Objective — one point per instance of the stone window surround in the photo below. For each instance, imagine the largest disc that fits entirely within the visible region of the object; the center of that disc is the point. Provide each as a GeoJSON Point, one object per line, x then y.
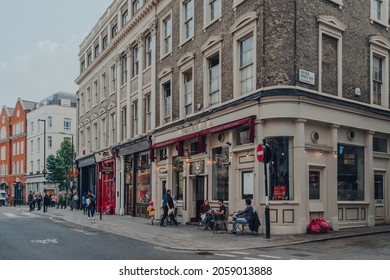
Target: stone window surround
{"type": "Point", "coordinates": [244, 27]}
{"type": "Point", "coordinates": [385, 14]}
{"type": "Point", "coordinates": [380, 47]}
{"type": "Point", "coordinates": [209, 49]}
{"type": "Point", "coordinates": [185, 64]}
{"type": "Point", "coordinates": [207, 12]}
{"type": "Point", "coordinates": [164, 76]}
{"type": "Point", "coordinates": [332, 27]}
{"type": "Point", "coordinates": [183, 38]}
{"type": "Point", "coordinates": [164, 18]}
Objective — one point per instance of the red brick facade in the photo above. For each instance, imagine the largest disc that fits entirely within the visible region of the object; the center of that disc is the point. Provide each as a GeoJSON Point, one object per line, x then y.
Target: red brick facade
{"type": "Point", "coordinates": [13, 148]}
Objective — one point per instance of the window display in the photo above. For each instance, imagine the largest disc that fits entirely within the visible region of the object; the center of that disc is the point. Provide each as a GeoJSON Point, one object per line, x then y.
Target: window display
{"type": "Point", "coordinates": [350, 169]}
{"type": "Point", "coordinates": [280, 168]}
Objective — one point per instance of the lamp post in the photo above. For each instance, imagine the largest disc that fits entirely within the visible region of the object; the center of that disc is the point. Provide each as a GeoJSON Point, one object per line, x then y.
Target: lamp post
{"type": "Point", "coordinates": [44, 150]}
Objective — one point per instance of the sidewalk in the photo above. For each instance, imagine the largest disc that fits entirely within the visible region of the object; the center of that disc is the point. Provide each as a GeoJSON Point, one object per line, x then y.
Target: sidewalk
{"type": "Point", "coordinates": [189, 237]}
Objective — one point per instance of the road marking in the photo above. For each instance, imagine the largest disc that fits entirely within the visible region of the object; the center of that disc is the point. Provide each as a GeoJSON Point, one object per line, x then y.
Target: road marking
{"type": "Point", "coordinates": [30, 214]}
{"type": "Point", "coordinates": [45, 241]}
{"type": "Point", "coordinates": [241, 253]}
{"type": "Point", "coordinates": [225, 255]}
{"type": "Point", "coordinates": [249, 258]}
{"type": "Point", "coordinates": [268, 256]}
{"type": "Point", "coordinates": [54, 220]}
{"type": "Point", "coordinates": [11, 215]}
{"type": "Point", "coordinates": [84, 231]}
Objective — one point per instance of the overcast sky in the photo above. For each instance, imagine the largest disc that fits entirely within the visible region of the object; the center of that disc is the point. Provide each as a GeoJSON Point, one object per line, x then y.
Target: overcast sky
{"type": "Point", "coordinates": [40, 43]}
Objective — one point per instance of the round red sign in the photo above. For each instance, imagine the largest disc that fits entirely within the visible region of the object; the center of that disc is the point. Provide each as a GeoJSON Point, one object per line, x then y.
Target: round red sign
{"type": "Point", "coordinates": [260, 153]}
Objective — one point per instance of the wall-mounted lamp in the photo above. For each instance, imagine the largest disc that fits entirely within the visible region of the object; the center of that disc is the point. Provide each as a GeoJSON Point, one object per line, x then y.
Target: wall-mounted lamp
{"type": "Point", "coordinates": [228, 143]}
{"type": "Point", "coordinates": [187, 154]}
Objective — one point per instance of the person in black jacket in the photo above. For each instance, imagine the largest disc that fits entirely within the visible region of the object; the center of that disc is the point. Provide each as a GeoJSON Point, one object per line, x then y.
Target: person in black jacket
{"type": "Point", "coordinates": [46, 202]}
{"type": "Point", "coordinates": [243, 216]}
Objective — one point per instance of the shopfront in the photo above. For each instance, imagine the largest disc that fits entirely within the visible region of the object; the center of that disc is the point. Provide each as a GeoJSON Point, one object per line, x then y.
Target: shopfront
{"type": "Point", "coordinates": [201, 165]}
{"type": "Point", "coordinates": [87, 175]}
{"type": "Point", "coordinates": [106, 182]}
{"type": "Point", "coordinates": [135, 192]}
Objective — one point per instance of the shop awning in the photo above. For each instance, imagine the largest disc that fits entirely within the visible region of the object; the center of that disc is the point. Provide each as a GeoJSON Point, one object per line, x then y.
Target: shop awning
{"type": "Point", "coordinates": [200, 135]}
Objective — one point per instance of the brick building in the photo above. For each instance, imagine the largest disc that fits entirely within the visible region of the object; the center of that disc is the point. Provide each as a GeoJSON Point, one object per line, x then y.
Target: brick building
{"type": "Point", "coordinates": [13, 150]}
{"type": "Point", "coordinates": [180, 94]}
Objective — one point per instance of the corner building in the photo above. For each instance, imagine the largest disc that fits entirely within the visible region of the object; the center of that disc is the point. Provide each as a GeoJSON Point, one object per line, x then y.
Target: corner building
{"type": "Point", "coordinates": [217, 78]}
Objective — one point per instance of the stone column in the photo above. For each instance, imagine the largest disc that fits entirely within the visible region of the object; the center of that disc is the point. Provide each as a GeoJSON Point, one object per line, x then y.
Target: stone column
{"type": "Point", "coordinates": [331, 193]}
{"type": "Point", "coordinates": [128, 92]}
{"type": "Point", "coordinates": [141, 51]}
{"type": "Point", "coordinates": [300, 187]}
{"type": "Point", "coordinates": [153, 95]}
{"type": "Point", "coordinates": [369, 178]}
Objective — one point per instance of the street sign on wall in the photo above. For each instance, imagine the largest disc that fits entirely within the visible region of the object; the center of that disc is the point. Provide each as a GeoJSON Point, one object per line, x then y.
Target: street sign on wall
{"type": "Point", "coordinates": [260, 153]}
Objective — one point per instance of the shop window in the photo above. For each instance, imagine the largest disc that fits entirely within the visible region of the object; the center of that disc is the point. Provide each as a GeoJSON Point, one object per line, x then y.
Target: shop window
{"type": "Point", "coordinates": [163, 154]}
{"type": "Point", "coordinates": [143, 188]}
{"type": "Point", "coordinates": [220, 171]}
{"type": "Point", "coordinates": [247, 184]}
{"type": "Point", "coordinates": [143, 159]}
{"type": "Point", "coordinates": [243, 135]}
{"type": "Point", "coordinates": [350, 177]}
{"type": "Point", "coordinates": [314, 184]}
{"type": "Point", "coordinates": [194, 148]}
{"type": "Point", "coordinates": [378, 186]}
{"type": "Point", "coordinates": [280, 168]}
{"type": "Point", "coordinates": [380, 145]}
{"type": "Point", "coordinates": [177, 177]}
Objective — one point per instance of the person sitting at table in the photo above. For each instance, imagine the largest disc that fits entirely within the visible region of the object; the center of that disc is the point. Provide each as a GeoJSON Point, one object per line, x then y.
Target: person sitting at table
{"type": "Point", "coordinates": [220, 215]}
{"type": "Point", "coordinates": [243, 216]}
{"type": "Point", "coordinates": [204, 209]}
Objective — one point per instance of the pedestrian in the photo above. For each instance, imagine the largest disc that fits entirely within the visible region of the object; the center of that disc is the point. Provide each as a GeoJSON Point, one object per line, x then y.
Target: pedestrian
{"type": "Point", "coordinates": [71, 201]}
{"type": "Point", "coordinates": [84, 202]}
{"type": "Point", "coordinates": [53, 200]}
{"type": "Point", "coordinates": [30, 200]}
{"type": "Point", "coordinates": [46, 202]}
{"type": "Point", "coordinates": [91, 203]}
{"type": "Point", "coordinates": [75, 201]}
{"type": "Point", "coordinates": [39, 201]}
{"type": "Point", "coordinates": [168, 208]}
{"type": "Point", "coordinates": [151, 212]}
{"type": "Point", "coordinates": [59, 201]}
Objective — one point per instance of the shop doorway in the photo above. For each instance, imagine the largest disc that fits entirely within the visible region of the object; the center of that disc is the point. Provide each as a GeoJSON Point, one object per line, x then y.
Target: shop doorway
{"type": "Point", "coordinates": [198, 187]}
{"type": "Point", "coordinates": [379, 190]}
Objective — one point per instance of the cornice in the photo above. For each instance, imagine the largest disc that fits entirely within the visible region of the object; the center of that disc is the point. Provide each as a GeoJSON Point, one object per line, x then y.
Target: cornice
{"type": "Point", "coordinates": [129, 26]}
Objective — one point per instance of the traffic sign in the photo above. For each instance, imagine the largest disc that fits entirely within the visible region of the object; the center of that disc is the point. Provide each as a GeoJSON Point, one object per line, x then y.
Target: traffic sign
{"type": "Point", "coordinates": [260, 153]}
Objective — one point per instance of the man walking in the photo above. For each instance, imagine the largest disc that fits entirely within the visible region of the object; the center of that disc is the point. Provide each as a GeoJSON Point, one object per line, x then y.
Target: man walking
{"type": "Point", "coordinates": [31, 201]}
{"type": "Point", "coordinates": [168, 208]}
{"type": "Point", "coordinates": [46, 202]}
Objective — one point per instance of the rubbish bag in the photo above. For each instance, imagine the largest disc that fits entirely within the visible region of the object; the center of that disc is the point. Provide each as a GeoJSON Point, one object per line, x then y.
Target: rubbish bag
{"type": "Point", "coordinates": [318, 226]}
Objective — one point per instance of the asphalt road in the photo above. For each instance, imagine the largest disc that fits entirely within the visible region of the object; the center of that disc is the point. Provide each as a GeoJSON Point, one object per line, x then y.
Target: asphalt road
{"type": "Point", "coordinates": [26, 236]}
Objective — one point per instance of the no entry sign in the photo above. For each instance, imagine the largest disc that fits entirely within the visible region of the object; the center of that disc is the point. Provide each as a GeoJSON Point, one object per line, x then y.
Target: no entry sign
{"type": "Point", "coordinates": [260, 153]}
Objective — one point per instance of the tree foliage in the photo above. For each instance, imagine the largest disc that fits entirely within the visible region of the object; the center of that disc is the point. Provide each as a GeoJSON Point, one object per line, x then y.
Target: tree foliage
{"type": "Point", "coordinates": [59, 165]}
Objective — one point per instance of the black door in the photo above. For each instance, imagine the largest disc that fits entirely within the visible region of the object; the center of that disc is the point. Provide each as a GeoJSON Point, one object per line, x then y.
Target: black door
{"type": "Point", "coordinates": [199, 194]}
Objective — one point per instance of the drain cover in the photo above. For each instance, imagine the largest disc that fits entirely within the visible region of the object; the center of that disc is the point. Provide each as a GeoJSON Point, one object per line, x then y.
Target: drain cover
{"type": "Point", "coordinates": [205, 253]}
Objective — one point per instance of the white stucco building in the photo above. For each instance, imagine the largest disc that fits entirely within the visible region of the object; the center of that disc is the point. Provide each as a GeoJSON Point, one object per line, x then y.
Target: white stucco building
{"type": "Point", "coordinates": [58, 114]}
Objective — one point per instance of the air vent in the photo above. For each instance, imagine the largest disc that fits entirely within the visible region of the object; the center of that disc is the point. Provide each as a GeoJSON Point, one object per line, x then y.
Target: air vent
{"type": "Point", "coordinates": [315, 136]}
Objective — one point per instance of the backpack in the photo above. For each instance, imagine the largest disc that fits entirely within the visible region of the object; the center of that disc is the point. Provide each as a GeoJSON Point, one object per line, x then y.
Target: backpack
{"type": "Point", "coordinates": [254, 224]}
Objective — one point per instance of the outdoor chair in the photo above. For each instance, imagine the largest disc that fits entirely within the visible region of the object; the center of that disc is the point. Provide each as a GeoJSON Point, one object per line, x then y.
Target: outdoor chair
{"type": "Point", "coordinates": [218, 224]}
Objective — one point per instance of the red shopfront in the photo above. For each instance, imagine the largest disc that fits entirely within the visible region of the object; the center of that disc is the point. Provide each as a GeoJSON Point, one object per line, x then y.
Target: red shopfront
{"type": "Point", "coordinates": [106, 197]}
